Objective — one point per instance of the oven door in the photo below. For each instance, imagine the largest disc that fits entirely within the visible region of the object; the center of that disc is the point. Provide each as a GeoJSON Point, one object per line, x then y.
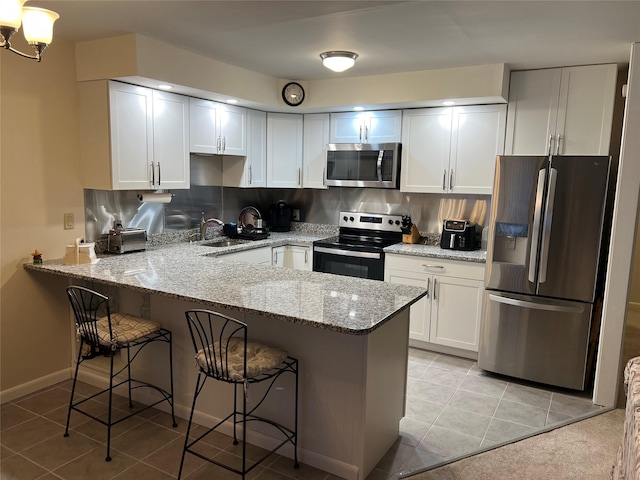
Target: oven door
{"type": "Point", "coordinates": [340, 261]}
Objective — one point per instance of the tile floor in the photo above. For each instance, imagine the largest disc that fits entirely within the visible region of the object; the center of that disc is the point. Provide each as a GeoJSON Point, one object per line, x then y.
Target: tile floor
{"type": "Point", "coordinates": [453, 409]}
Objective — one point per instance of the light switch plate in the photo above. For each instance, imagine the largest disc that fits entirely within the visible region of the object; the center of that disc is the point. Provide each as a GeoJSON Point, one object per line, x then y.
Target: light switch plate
{"type": "Point", "coordinates": [68, 221]}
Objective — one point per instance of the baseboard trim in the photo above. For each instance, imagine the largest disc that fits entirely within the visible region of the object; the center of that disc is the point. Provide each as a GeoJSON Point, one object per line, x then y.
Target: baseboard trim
{"type": "Point", "coordinates": [35, 385]}
{"type": "Point", "coordinates": [321, 462]}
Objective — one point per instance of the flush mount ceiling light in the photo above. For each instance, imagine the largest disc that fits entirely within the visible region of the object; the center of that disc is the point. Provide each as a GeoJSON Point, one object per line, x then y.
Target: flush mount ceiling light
{"type": "Point", "coordinates": [37, 23]}
{"type": "Point", "coordinates": [338, 60]}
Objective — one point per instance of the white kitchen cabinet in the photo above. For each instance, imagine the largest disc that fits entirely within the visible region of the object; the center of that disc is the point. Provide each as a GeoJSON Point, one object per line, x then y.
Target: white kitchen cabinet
{"type": "Point", "coordinates": [249, 171]}
{"type": "Point", "coordinates": [133, 138]}
{"type": "Point", "coordinates": [217, 128]}
{"type": "Point", "coordinates": [451, 149]}
{"type": "Point", "coordinates": [259, 256]}
{"type": "Point", "coordinates": [449, 315]}
{"type": "Point", "coordinates": [284, 150]}
{"type": "Point", "coordinates": [297, 257]}
{"type": "Point", "coordinates": [382, 126]}
{"type": "Point", "coordinates": [561, 111]}
{"type": "Point", "coordinates": [314, 154]}
{"type": "Point", "coordinates": [301, 257]}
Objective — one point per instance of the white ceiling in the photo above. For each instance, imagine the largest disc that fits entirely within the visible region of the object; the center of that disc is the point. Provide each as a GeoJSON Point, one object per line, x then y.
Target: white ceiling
{"type": "Point", "coordinates": [284, 38]}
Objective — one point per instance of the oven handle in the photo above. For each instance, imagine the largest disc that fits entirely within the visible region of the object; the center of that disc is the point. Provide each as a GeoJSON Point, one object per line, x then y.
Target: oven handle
{"type": "Point", "coordinates": [346, 253]}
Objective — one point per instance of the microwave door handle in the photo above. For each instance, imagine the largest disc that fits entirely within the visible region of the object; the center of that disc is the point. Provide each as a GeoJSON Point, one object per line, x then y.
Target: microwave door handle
{"type": "Point", "coordinates": [535, 235]}
{"type": "Point", "coordinates": [548, 220]}
{"type": "Point", "coordinates": [379, 164]}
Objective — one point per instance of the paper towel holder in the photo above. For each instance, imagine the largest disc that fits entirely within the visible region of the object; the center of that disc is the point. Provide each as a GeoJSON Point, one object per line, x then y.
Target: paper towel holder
{"type": "Point", "coordinates": [153, 197]}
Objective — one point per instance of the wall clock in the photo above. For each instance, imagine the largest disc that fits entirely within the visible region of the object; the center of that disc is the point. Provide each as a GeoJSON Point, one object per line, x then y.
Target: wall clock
{"type": "Point", "coordinates": [293, 94]}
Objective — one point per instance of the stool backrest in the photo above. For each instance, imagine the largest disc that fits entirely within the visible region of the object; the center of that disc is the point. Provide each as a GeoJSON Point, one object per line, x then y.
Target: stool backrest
{"type": "Point", "coordinates": [220, 344]}
{"type": "Point", "coordinates": [88, 307]}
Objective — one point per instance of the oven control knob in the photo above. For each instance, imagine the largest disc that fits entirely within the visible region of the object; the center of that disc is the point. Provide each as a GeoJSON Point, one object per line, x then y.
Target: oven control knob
{"type": "Point", "coordinates": [351, 218]}
{"type": "Point", "coordinates": [390, 222]}
{"type": "Point", "coordinates": [345, 218]}
{"type": "Point", "coordinates": [397, 222]}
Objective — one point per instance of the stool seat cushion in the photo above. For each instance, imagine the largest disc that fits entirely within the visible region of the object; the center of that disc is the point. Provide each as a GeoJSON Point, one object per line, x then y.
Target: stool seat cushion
{"type": "Point", "coordinates": [126, 328]}
{"type": "Point", "coordinates": [227, 361]}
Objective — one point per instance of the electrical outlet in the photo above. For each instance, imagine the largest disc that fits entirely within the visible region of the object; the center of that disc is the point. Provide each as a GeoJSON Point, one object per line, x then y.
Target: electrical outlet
{"type": "Point", "coordinates": [296, 214]}
{"type": "Point", "coordinates": [68, 221]}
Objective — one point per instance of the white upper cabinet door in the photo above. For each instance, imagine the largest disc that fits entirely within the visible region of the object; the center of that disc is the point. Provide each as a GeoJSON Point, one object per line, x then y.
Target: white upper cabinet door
{"type": "Point", "coordinates": [257, 148]}
{"type": "Point", "coordinates": [314, 155]}
{"type": "Point", "coordinates": [232, 128]}
{"type": "Point", "coordinates": [203, 136]}
{"type": "Point", "coordinates": [131, 125]}
{"type": "Point", "coordinates": [532, 111]}
{"type": "Point", "coordinates": [561, 111]}
{"type": "Point", "coordinates": [585, 110]}
{"type": "Point", "coordinates": [284, 150]}
{"type": "Point", "coordinates": [425, 150]}
{"type": "Point", "coordinates": [383, 126]}
{"type": "Point", "coordinates": [170, 140]}
{"type": "Point", "coordinates": [477, 136]}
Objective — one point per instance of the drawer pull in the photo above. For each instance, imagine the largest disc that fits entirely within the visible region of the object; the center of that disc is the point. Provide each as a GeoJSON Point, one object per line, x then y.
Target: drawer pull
{"type": "Point", "coordinates": [427, 265]}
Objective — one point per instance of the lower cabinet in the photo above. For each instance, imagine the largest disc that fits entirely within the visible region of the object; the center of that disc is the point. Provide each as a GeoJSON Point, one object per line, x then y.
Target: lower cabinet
{"type": "Point", "coordinates": [450, 313]}
{"type": "Point", "coordinates": [259, 256]}
{"type": "Point", "coordinates": [292, 256]}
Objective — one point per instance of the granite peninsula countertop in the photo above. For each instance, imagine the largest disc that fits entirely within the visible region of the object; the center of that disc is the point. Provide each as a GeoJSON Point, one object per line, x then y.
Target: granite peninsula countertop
{"type": "Point", "coordinates": [200, 274]}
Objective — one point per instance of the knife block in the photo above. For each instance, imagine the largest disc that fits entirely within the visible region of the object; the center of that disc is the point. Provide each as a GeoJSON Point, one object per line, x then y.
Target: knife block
{"type": "Point", "coordinates": [413, 237]}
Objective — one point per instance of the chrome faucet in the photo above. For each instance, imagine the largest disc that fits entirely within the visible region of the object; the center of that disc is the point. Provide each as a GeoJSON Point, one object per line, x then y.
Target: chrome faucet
{"type": "Point", "coordinates": [204, 223]}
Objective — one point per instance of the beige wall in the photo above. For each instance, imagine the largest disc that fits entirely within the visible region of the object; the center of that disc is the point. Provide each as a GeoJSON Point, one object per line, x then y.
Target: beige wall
{"type": "Point", "coordinates": [40, 181]}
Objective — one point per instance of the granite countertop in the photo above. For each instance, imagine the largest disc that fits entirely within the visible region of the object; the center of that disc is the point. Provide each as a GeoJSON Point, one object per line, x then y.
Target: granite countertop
{"type": "Point", "coordinates": [433, 251]}
{"type": "Point", "coordinates": [192, 272]}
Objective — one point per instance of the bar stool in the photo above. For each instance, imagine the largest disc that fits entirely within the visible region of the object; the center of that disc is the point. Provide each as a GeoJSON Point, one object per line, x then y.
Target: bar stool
{"type": "Point", "coordinates": [104, 333]}
{"type": "Point", "coordinates": [223, 353]}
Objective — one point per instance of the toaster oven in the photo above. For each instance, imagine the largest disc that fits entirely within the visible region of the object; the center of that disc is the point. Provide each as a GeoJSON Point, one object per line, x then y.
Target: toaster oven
{"type": "Point", "coordinates": [459, 235]}
{"type": "Point", "coordinates": [123, 240]}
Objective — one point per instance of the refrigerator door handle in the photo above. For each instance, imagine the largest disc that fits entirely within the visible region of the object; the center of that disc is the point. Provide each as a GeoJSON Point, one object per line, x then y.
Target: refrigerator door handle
{"type": "Point", "coordinates": [535, 237]}
{"type": "Point", "coordinates": [535, 306]}
{"type": "Point", "coordinates": [548, 219]}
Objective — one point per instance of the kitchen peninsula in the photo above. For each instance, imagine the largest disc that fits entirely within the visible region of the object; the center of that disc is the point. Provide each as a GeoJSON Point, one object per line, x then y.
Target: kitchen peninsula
{"type": "Point", "coordinates": [350, 336]}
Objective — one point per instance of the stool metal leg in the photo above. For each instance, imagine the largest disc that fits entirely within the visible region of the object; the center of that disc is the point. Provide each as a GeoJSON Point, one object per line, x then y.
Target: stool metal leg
{"type": "Point", "coordinates": [173, 415]}
{"type": "Point", "coordinates": [108, 459]}
{"type": "Point", "coordinates": [129, 375]}
{"type": "Point", "coordinates": [193, 409]}
{"type": "Point", "coordinates": [295, 422]}
{"type": "Point", "coordinates": [73, 387]}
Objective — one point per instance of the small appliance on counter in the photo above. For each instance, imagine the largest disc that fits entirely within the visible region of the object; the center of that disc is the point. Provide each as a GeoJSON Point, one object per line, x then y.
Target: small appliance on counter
{"type": "Point", "coordinates": [410, 233]}
{"type": "Point", "coordinates": [79, 252]}
{"type": "Point", "coordinates": [123, 240]}
{"type": "Point", "coordinates": [459, 235]}
{"type": "Point", "coordinates": [281, 216]}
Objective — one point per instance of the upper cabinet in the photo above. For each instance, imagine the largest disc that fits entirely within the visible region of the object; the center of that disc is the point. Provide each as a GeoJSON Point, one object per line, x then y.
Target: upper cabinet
{"type": "Point", "coordinates": [249, 171]}
{"type": "Point", "coordinates": [561, 111]}
{"type": "Point", "coordinates": [284, 150]}
{"type": "Point", "coordinates": [217, 128]}
{"type": "Point", "coordinates": [451, 149]}
{"type": "Point", "coordinates": [133, 138]}
{"type": "Point", "coordinates": [314, 155]}
{"type": "Point", "coordinates": [382, 126]}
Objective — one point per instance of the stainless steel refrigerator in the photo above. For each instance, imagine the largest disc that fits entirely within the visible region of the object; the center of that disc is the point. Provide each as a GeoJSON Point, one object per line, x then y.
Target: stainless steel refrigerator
{"type": "Point", "coordinates": [543, 258]}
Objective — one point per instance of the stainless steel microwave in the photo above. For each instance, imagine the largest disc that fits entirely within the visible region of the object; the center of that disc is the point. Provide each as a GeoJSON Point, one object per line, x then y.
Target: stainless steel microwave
{"type": "Point", "coordinates": [363, 165]}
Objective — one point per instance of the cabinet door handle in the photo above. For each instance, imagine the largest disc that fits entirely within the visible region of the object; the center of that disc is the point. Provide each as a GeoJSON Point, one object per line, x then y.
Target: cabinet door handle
{"type": "Point", "coordinates": [275, 256]}
{"type": "Point", "coordinates": [444, 179]}
{"type": "Point", "coordinates": [360, 134]}
{"type": "Point", "coordinates": [559, 145]}
{"type": "Point", "coordinates": [324, 176]}
{"type": "Point", "coordinates": [428, 287]}
{"type": "Point", "coordinates": [550, 149]}
{"type": "Point", "coordinates": [218, 144]}
{"type": "Point", "coordinates": [451, 180]}
{"type": "Point", "coordinates": [299, 177]}
{"type": "Point", "coordinates": [366, 134]}
{"type": "Point", "coordinates": [430, 265]}
{"type": "Point", "coordinates": [153, 174]}
{"type": "Point", "coordinates": [250, 175]}
{"type": "Point", "coordinates": [306, 256]}
{"type": "Point", "coordinates": [159, 173]}
{"type": "Point", "coordinates": [224, 144]}
{"type": "Point", "coordinates": [435, 286]}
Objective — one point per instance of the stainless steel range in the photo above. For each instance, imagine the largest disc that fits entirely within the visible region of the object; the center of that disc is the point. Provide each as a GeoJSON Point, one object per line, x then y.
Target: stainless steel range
{"type": "Point", "coordinates": [358, 249]}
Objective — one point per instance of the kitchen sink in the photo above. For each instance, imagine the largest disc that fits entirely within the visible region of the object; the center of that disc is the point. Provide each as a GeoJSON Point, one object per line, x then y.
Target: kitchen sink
{"type": "Point", "coordinates": [228, 242]}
